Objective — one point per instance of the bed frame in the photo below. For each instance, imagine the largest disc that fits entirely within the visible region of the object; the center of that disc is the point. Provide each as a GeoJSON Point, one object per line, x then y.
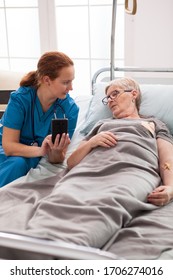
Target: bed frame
{"type": "Point", "coordinates": [122, 71]}
{"type": "Point", "coordinates": [47, 249]}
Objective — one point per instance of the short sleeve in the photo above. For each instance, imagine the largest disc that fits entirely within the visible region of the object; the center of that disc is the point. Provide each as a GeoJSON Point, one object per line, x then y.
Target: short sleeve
{"type": "Point", "coordinates": [14, 114]}
{"type": "Point", "coordinates": [162, 131]}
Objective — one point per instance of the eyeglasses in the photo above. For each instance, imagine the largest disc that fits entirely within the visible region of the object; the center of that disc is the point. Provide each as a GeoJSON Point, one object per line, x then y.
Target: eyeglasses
{"type": "Point", "coordinates": [114, 95]}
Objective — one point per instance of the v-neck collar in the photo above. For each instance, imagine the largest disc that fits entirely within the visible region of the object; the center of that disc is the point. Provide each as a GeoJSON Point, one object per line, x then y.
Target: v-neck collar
{"type": "Point", "coordinates": [43, 115]}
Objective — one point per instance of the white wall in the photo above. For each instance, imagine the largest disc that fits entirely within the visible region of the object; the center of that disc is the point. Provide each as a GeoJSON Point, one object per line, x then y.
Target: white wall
{"type": "Point", "coordinates": [149, 34]}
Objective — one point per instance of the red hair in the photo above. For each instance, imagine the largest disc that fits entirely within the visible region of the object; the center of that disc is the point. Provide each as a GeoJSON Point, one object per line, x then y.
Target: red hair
{"type": "Point", "coordinates": [50, 64]}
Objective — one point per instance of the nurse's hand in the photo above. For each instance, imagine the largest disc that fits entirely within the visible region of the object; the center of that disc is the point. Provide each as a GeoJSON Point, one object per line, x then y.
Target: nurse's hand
{"type": "Point", "coordinates": [56, 152]}
{"type": "Point", "coordinates": [60, 145]}
{"type": "Point", "coordinates": [46, 145]}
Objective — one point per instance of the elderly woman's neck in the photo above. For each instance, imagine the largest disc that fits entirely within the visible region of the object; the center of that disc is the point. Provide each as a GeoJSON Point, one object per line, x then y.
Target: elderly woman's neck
{"type": "Point", "coordinates": [129, 114]}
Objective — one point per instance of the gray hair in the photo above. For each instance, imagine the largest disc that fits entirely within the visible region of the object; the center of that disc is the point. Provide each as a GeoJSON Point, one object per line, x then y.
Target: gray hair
{"type": "Point", "coordinates": [127, 83]}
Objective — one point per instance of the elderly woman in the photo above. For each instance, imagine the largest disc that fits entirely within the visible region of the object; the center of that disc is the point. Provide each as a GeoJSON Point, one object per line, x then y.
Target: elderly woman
{"type": "Point", "coordinates": [123, 97]}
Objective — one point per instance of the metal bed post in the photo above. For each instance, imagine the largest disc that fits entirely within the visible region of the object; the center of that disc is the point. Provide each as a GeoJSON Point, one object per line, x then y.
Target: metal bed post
{"type": "Point", "coordinates": [114, 11]}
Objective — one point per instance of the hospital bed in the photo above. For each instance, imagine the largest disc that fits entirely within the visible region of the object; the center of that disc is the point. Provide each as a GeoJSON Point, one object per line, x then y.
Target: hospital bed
{"type": "Point", "coordinates": [149, 236]}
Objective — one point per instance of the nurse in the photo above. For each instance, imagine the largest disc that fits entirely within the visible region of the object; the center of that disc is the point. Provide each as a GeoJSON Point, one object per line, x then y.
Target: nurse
{"type": "Point", "coordinates": [25, 128]}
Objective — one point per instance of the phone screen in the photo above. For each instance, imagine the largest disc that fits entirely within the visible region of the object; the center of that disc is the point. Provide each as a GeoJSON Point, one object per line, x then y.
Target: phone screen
{"type": "Point", "coordinates": [59, 126]}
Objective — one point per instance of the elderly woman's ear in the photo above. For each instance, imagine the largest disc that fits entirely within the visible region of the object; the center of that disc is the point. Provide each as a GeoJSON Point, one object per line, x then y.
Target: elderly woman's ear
{"type": "Point", "coordinates": [135, 94]}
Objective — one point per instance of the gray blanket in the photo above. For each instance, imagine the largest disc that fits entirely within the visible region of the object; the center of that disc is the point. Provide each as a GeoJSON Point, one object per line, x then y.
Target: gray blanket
{"type": "Point", "coordinates": [99, 201]}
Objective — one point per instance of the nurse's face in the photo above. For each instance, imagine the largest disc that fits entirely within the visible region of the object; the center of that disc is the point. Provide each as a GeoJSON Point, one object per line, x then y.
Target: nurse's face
{"type": "Point", "coordinates": [63, 84]}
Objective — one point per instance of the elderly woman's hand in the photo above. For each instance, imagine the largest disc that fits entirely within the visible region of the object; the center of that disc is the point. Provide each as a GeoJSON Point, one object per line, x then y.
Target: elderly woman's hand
{"type": "Point", "coordinates": [161, 195]}
{"type": "Point", "coordinates": [104, 139]}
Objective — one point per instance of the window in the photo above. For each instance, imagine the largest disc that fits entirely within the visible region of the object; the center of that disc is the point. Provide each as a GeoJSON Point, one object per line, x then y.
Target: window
{"type": "Point", "coordinates": [19, 34]}
{"type": "Point", "coordinates": [80, 28]}
{"type": "Point", "coordinates": [84, 33]}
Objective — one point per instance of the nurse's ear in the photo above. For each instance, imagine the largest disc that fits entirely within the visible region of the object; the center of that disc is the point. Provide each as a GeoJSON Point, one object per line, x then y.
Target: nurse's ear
{"type": "Point", "coordinates": [46, 80]}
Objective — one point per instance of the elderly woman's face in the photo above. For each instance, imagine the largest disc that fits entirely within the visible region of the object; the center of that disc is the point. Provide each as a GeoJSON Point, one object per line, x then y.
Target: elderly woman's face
{"type": "Point", "coordinates": [120, 100]}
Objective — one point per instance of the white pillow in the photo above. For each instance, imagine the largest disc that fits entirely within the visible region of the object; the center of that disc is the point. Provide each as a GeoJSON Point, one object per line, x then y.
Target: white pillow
{"type": "Point", "coordinates": [157, 101]}
{"type": "Point", "coordinates": [96, 110]}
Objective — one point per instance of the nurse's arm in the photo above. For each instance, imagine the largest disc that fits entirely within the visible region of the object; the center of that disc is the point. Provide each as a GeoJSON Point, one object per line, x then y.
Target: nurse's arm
{"type": "Point", "coordinates": [12, 146]}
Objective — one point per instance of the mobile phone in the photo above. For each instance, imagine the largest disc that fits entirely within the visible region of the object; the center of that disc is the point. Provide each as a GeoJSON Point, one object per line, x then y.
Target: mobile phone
{"type": "Point", "coordinates": [59, 126]}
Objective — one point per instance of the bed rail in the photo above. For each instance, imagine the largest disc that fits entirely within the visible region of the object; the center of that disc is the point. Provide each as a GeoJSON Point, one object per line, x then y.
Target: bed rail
{"type": "Point", "coordinates": [130, 69]}
{"type": "Point", "coordinates": [55, 249]}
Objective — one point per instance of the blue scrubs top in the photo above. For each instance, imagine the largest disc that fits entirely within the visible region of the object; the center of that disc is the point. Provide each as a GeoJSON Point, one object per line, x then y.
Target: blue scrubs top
{"type": "Point", "coordinates": [24, 113]}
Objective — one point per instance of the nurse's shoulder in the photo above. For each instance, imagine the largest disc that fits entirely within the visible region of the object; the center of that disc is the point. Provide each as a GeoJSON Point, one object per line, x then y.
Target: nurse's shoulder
{"type": "Point", "coordinates": [23, 94]}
